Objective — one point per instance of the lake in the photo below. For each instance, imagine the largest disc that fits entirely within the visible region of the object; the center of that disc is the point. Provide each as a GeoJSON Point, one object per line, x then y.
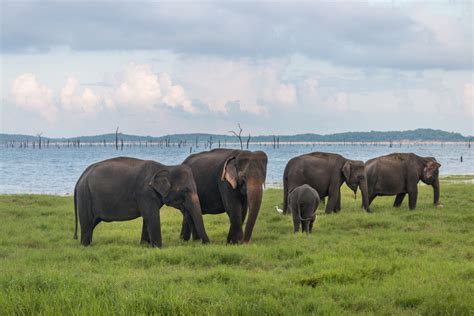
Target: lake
{"type": "Point", "coordinates": [55, 170]}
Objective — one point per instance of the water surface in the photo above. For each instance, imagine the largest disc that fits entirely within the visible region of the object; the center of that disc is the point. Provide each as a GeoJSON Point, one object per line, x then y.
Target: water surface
{"type": "Point", "coordinates": [55, 170]}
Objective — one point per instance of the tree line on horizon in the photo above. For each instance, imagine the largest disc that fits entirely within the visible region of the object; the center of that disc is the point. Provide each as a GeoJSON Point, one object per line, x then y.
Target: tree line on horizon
{"type": "Point", "coordinates": [372, 136]}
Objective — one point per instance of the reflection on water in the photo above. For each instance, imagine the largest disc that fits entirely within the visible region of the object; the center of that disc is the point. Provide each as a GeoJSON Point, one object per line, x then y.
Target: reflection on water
{"type": "Point", "coordinates": [56, 170]}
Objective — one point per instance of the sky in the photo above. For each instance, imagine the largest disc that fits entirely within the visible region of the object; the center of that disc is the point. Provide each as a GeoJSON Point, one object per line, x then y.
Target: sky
{"type": "Point", "coordinates": [71, 68]}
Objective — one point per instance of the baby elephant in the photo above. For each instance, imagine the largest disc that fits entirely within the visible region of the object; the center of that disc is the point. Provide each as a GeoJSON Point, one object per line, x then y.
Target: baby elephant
{"type": "Point", "coordinates": [303, 202]}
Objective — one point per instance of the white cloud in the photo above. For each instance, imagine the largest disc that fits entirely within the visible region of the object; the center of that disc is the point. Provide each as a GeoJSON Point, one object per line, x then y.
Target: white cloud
{"type": "Point", "coordinates": [88, 103]}
{"type": "Point", "coordinates": [338, 102]}
{"type": "Point", "coordinates": [137, 86]}
{"type": "Point", "coordinates": [469, 99]}
{"type": "Point", "coordinates": [257, 87]}
{"type": "Point", "coordinates": [29, 94]}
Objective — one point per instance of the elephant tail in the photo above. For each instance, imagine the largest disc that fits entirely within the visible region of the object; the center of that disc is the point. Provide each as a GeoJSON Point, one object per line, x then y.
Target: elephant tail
{"type": "Point", "coordinates": [285, 193]}
{"type": "Point", "coordinates": [75, 212]}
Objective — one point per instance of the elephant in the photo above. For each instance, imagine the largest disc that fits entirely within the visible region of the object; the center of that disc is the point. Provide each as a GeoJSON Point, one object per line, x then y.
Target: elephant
{"type": "Point", "coordinates": [325, 172]}
{"type": "Point", "coordinates": [303, 201]}
{"type": "Point", "coordinates": [231, 181]}
{"type": "Point", "coordinates": [123, 188]}
{"type": "Point", "coordinates": [399, 174]}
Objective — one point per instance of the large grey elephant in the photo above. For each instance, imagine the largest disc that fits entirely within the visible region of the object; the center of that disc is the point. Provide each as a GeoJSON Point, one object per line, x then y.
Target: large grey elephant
{"type": "Point", "coordinates": [303, 201]}
{"type": "Point", "coordinates": [231, 181]}
{"type": "Point", "coordinates": [399, 174]}
{"type": "Point", "coordinates": [123, 188]}
{"type": "Point", "coordinates": [325, 172]}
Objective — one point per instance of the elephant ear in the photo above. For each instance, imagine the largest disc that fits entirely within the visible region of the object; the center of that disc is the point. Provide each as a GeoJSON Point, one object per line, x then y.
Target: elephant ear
{"type": "Point", "coordinates": [433, 164]}
{"type": "Point", "coordinates": [346, 170]}
{"type": "Point", "coordinates": [229, 172]}
{"type": "Point", "coordinates": [160, 182]}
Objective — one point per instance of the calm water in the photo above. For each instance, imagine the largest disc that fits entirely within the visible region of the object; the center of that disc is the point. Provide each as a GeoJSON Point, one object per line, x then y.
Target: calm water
{"type": "Point", "coordinates": [55, 170]}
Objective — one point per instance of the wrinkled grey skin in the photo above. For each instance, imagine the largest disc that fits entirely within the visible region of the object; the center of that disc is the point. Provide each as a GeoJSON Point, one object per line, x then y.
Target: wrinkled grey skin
{"type": "Point", "coordinates": [122, 189]}
{"type": "Point", "coordinates": [325, 172]}
{"type": "Point", "coordinates": [303, 202]}
{"type": "Point", "coordinates": [398, 174]}
{"type": "Point", "coordinates": [231, 181]}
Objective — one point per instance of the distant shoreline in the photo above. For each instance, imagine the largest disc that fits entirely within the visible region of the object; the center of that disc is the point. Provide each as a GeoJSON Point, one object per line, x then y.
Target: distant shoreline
{"type": "Point", "coordinates": [265, 143]}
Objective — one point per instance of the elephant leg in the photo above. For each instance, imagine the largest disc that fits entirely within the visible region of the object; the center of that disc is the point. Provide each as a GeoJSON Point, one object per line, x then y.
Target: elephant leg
{"type": "Point", "coordinates": [296, 223]}
{"type": "Point", "coordinates": [87, 228]}
{"type": "Point", "coordinates": [229, 235]}
{"type": "Point", "coordinates": [145, 237]}
{"type": "Point", "coordinates": [236, 232]}
{"type": "Point", "coordinates": [332, 201]}
{"type": "Point", "coordinates": [311, 226]}
{"type": "Point", "coordinates": [412, 197]}
{"type": "Point", "coordinates": [185, 229]}
{"type": "Point", "coordinates": [372, 197]}
{"type": "Point", "coordinates": [244, 212]}
{"type": "Point", "coordinates": [193, 229]}
{"type": "Point", "coordinates": [305, 226]}
{"type": "Point", "coordinates": [399, 199]}
{"type": "Point", "coordinates": [152, 218]}
{"type": "Point", "coordinates": [338, 203]}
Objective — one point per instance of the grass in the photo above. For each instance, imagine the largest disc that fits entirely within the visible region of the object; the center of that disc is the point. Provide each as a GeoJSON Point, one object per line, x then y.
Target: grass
{"type": "Point", "coordinates": [394, 261]}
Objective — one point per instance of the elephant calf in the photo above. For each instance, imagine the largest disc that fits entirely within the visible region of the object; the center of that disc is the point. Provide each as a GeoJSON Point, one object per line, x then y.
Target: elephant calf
{"type": "Point", "coordinates": [122, 189]}
{"type": "Point", "coordinates": [303, 201]}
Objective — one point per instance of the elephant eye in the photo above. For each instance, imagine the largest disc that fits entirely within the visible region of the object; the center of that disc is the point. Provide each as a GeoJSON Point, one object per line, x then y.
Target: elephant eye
{"type": "Point", "coordinates": [360, 177]}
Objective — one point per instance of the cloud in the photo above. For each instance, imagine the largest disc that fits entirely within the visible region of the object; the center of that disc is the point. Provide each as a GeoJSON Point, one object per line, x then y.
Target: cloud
{"type": "Point", "coordinates": [357, 34]}
{"type": "Point", "coordinates": [250, 86]}
{"type": "Point", "coordinates": [137, 86]}
{"type": "Point", "coordinates": [88, 103]}
{"type": "Point", "coordinates": [469, 99]}
{"type": "Point", "coordinates": [338, 102]}
{"type": "Point", "coordinates": [29, 94]}
{"type": "Point", "coordinates": [134, 88]}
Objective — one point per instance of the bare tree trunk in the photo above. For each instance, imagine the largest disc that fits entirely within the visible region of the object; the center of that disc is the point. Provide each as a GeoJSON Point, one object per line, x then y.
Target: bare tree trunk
{"type": "Point", "coordinates": [116, 138]}
{"type": "Point", "coordinates": [239, 136]}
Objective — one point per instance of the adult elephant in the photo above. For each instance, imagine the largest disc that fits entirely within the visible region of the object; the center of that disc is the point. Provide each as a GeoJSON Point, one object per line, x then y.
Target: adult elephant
{"type": "Point", "coordinates": [230, 181]}
{"type": "Point", "coordinates": [325, 172]}
{"type": "Point", "coordinates": [123, 188]}
{"type": "Point", "coordinates": [399, 174]}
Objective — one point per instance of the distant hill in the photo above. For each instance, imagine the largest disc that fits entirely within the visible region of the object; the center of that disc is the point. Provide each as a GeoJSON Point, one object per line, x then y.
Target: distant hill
{"type": "Point", "coordinates": [372, 136]}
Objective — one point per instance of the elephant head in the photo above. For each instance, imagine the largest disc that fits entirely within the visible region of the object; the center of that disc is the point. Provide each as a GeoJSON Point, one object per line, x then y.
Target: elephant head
{"type": "Point", "coordinates": [430, 175]}
{"type": "Point", "coordinates": [177, 188]}
{"type": "Point", "coordinates": [355, 177]}
{"type": "Point", "coordinates": [246, 172]}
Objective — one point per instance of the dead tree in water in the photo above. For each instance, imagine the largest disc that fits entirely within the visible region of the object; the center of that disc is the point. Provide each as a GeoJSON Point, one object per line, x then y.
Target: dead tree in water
{"type": "Point", "coordinates": [210, 142]}
{"type": "Point", "coordinates": [239, 136]}
{"type": "Point", "coordinates": [39, 140]}
{"type": "Point", "coordinates": [116, 138]}
{"type": "Point", "coordinates": [248, 141]}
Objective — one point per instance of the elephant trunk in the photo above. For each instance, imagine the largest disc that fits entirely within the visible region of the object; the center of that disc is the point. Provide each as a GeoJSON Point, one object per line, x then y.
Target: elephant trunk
{"type": "Point", "coordinates": [254, 200]}
{"type": "Point", "coordinates": [365, 195]}
{"type": "Point", "coordinates": [194, 209]}
{"type": "Point", "coordinates": [436, 191]}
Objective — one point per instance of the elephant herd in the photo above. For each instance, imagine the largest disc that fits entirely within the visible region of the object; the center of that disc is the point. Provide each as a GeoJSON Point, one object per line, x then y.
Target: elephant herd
{"type": "Point", "coordinates": [232, 181]}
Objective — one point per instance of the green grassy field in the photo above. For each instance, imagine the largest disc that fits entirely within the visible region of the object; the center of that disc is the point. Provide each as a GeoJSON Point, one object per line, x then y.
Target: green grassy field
{"type": "Point", "coordinates": [393, 261]}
